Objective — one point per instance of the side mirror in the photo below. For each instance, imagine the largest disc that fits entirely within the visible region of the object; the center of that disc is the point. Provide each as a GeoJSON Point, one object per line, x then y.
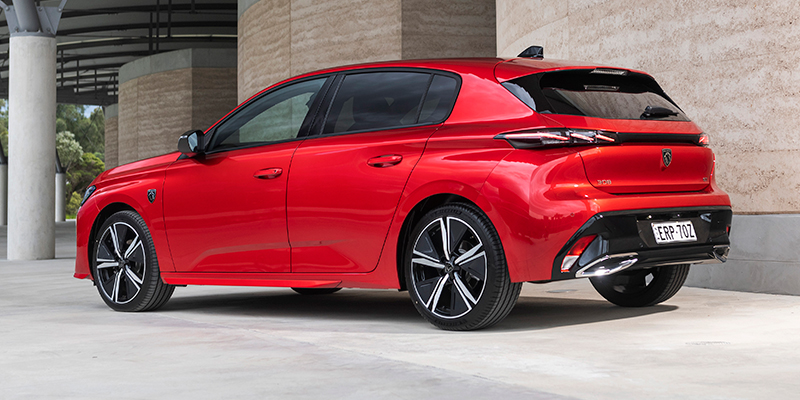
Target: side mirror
{"type": "Point", "coordinates": [191, 143]}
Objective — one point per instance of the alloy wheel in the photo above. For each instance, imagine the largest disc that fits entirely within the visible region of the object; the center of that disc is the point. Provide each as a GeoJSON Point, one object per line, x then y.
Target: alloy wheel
{"type": "Point", "coordinates": [449, 267]}
{"type": "Point", "coordinates": [120, 263]}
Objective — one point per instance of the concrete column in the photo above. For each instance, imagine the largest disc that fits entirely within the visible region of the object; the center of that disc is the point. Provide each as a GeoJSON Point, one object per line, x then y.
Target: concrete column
{"type": "Point", "coordinates": [61, 193]}
{"type": "Point", "coordinates": [32, 147]}
{"type": "Point", "coordinates": [3, 194]}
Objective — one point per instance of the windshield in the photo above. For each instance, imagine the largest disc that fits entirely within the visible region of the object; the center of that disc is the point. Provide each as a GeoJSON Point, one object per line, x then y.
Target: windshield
{"type": "Point", "coordinates": [600, 93]}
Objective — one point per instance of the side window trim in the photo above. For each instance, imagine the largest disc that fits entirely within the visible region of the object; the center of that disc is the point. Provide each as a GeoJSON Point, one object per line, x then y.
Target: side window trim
{"type": "Point", "coordinates": [424, 96]}
{"type": "Point", "coordinates": [319, 123]}
{"type": "Point", "coordinates": [304, 127]}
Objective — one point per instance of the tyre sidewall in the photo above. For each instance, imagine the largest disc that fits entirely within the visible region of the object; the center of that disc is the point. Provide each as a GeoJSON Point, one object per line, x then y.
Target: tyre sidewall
{"type": "Point", "coordinates": [495, 271]}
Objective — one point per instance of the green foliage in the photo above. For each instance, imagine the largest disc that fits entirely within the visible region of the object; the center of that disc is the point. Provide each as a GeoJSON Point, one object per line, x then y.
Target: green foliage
{"type": "Point", "coordinates": [79, 176]}
{"type": "Point", "coordinates": [89, 132]}
{"type": "Point", "coordinates": [73, 204]}
{"type": "Point", "coordinates": [69, 150]}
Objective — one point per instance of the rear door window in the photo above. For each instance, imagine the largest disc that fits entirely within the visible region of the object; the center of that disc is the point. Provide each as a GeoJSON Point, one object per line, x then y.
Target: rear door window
{"type": "Point", "coordinates": [371, 101]}
{"type": "Point", "coordinates": [600, 93]}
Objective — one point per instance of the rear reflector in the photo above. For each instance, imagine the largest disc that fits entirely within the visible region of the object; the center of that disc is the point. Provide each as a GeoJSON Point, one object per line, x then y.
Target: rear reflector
{"type": "Point", "coordinates": [575, 252]}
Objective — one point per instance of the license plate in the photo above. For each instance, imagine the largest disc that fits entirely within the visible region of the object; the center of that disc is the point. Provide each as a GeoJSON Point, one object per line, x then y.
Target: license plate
{"type": "Point", "coordinates": [674, 232]}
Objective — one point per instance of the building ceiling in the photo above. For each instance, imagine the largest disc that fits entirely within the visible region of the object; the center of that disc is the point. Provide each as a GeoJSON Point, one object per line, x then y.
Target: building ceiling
{"type": "Point", "coordinates": [96, 37]}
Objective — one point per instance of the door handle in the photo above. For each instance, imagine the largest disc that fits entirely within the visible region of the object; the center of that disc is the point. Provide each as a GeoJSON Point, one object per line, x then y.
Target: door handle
{"type": "Point", "coordinates": [268, 173]}
{"type": "Point", "coordinates": [385, 161]}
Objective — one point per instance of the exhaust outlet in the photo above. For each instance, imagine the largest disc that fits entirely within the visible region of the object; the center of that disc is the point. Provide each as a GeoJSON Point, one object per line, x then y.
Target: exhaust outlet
{"type": "Point", "coordinates": [607, 265]}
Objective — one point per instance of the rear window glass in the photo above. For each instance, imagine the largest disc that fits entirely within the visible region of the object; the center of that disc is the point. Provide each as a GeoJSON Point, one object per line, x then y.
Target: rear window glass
{"type": "Point", "coordinates": [596, 93]}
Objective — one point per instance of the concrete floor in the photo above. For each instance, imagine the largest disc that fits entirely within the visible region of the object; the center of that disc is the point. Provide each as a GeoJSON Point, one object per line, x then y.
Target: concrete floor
{"type": "Point", "coordinates": [59, 340]}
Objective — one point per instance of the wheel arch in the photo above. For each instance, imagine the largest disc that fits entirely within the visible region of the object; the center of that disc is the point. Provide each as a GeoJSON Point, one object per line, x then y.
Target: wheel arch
{"type": "Point", "coordinates": [104, 214]}
{"type": "Point", "coordinates": [415, 215]}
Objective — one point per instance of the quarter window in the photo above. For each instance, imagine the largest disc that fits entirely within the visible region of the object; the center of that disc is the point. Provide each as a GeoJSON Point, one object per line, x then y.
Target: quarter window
{"type": "Point", "coordinates": [274, 117]}
{"type": "Point", "coordinates": [439, 100]}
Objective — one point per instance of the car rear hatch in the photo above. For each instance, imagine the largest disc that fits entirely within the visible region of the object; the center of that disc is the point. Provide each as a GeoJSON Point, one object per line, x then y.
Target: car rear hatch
{"type": "Point", "coordinates": [631, 136]}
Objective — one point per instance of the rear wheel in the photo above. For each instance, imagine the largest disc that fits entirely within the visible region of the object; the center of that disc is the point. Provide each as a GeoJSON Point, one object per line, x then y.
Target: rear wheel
{"type": "Point", "coordinates": [456, 270]}
{"type": "Point", "coordinates": [315, 291]}
{"type": "Point", "coordinates": [641, 288]}
{"type": "Point", "coordinates": [125, 267]}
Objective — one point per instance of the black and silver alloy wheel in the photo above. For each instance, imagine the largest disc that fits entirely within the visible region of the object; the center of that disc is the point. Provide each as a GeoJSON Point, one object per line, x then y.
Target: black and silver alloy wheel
{"type": "Point", "coordinates": [120, 262]}
{"type": "Point", "coordinates": [642, 287]}
{"type": "Point", "coordinates": [456, 271]}
{"type": "Point", "coordinates": [125, 267]}
{"type": "Point", "coordinates": [448, 268]}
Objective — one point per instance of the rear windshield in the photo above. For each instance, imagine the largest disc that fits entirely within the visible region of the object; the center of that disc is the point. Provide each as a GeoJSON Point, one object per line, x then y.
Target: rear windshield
{"type": "Point", "coordinates": [600, 93]}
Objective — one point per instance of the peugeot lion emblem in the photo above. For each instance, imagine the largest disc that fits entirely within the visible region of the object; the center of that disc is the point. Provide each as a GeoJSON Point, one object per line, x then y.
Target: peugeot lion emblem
{"type": "Point", "coordinates": [666, 155]}
{"type": "Point", "coordinates": [151, 195]}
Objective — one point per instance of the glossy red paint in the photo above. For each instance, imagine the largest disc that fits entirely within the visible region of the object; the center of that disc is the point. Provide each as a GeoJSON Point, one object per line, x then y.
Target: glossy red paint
{"type": "Point", "coordinates": [339, 207]}
{"type": "Point", "coordinates": [222, 216]}
{"type": "Point", "coordinates": [332, 219]}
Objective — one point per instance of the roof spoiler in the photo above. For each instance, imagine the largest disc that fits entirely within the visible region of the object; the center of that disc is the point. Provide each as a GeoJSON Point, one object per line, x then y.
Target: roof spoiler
{"type": "Point", "coordinates": [533, 52]}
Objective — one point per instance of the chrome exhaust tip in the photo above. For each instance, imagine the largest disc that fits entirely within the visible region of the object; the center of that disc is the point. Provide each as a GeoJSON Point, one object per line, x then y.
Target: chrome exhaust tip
{"type": "Point", "coordinates": [607, 265]}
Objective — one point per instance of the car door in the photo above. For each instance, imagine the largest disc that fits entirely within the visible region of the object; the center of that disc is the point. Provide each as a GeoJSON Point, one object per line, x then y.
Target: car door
{"type": "Point", "coordinates": [225, 210]}
{"type": "Point", "coordinates": [345, 184]}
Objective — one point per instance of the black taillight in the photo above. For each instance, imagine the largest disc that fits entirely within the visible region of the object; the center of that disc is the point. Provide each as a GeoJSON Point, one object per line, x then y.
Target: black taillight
{"type": "Point", "coordinates": [557, 137]}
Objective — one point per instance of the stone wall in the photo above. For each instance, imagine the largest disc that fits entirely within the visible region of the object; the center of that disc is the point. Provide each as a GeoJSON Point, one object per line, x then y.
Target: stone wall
{"type": "Point", "coordinates": [111, 135]}
{"type": "Point", "coordinates": [282, 38]}
{"type": "Point", "coordinates": [163, 96]}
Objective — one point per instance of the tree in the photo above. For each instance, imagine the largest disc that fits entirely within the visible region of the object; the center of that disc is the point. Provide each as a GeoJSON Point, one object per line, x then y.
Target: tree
{"type": "Point", "coordinates": [69, 150]}
{"type": "Point", "coordinates": [89, 132]}
{"type": "Point", "coordinates": [79, 176]}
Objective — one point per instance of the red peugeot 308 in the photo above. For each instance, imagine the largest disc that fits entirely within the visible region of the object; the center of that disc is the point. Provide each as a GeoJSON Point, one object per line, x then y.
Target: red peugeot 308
{"type": "Point", "coordinates": [457, 180]}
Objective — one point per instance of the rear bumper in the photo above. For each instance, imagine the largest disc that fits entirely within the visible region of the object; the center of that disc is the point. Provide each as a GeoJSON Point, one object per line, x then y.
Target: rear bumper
{"type": "Point", "coordinates": [625, 240]}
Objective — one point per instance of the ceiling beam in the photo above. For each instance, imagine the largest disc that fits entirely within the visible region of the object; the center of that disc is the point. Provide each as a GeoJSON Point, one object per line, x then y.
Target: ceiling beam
{"type": "Point", "coordinates": [215, 8]}
{"type": "Point", "coordinates": [144, 40]}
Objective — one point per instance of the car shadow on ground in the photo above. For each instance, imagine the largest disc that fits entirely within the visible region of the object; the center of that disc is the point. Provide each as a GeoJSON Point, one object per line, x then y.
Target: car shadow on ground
{"type": "Point", "coordinates": [530, 313]}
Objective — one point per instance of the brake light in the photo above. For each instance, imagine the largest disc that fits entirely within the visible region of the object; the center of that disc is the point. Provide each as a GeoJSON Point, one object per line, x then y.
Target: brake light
{"type": "Point", "coordinates": [575, 252]}
{"type": "Point", "coordinates": [557, 137]}
{"type": "Point", "coordinates": [703, 140]}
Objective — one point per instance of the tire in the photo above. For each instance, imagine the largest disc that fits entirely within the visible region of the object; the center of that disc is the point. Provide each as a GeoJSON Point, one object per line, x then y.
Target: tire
{"type": "Point", "coordinates": [125, 267]}
{"type": "Point", "coordinates": [315, 291]}
{"type": "Point", "coordinates": [641, 288]}
{"type": "Point", "coordinates": [467, 286]}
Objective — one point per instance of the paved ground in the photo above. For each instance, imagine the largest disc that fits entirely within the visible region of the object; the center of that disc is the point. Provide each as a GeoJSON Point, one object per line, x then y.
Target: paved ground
{"type": "Point", "coordinates": [58, 340]}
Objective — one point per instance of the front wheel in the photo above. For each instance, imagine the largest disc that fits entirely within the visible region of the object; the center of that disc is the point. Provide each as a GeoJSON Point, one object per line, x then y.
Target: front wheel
{"type": "Point", "coordinates": [125, 267]}
{"type": "Point", "coordinates": [641, 288]}
{"type": "Point", "coordinates": [456, 271]}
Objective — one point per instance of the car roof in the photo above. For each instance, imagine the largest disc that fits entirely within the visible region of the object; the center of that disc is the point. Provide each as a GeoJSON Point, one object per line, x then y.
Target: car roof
{"type": "Point", "coordinates": [504, 69]}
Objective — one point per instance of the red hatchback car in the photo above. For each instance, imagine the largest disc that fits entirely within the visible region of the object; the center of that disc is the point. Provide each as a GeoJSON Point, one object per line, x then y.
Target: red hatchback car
{"type": "Point", "coordinates": [457, 180]}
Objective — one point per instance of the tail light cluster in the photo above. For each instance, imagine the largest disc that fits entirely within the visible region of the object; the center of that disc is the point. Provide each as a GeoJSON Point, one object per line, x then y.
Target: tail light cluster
{"type": "Point", "coordinates": [557, 137]}
{"type": "Point", "coordinates": [551, 137]}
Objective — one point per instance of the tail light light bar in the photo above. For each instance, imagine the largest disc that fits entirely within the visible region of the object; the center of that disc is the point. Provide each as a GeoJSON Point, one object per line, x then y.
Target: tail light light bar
{"type": "Point", "coordinates": [703, 140]}
{"type": "Point", "coordinates": [557, 137]}
{"type": "Point", "coordinates": [531, 139]}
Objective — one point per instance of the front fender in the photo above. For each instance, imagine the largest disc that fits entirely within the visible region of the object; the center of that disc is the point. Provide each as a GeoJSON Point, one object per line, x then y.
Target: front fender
{"type": "Point", "coordinates": [128, 194]}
